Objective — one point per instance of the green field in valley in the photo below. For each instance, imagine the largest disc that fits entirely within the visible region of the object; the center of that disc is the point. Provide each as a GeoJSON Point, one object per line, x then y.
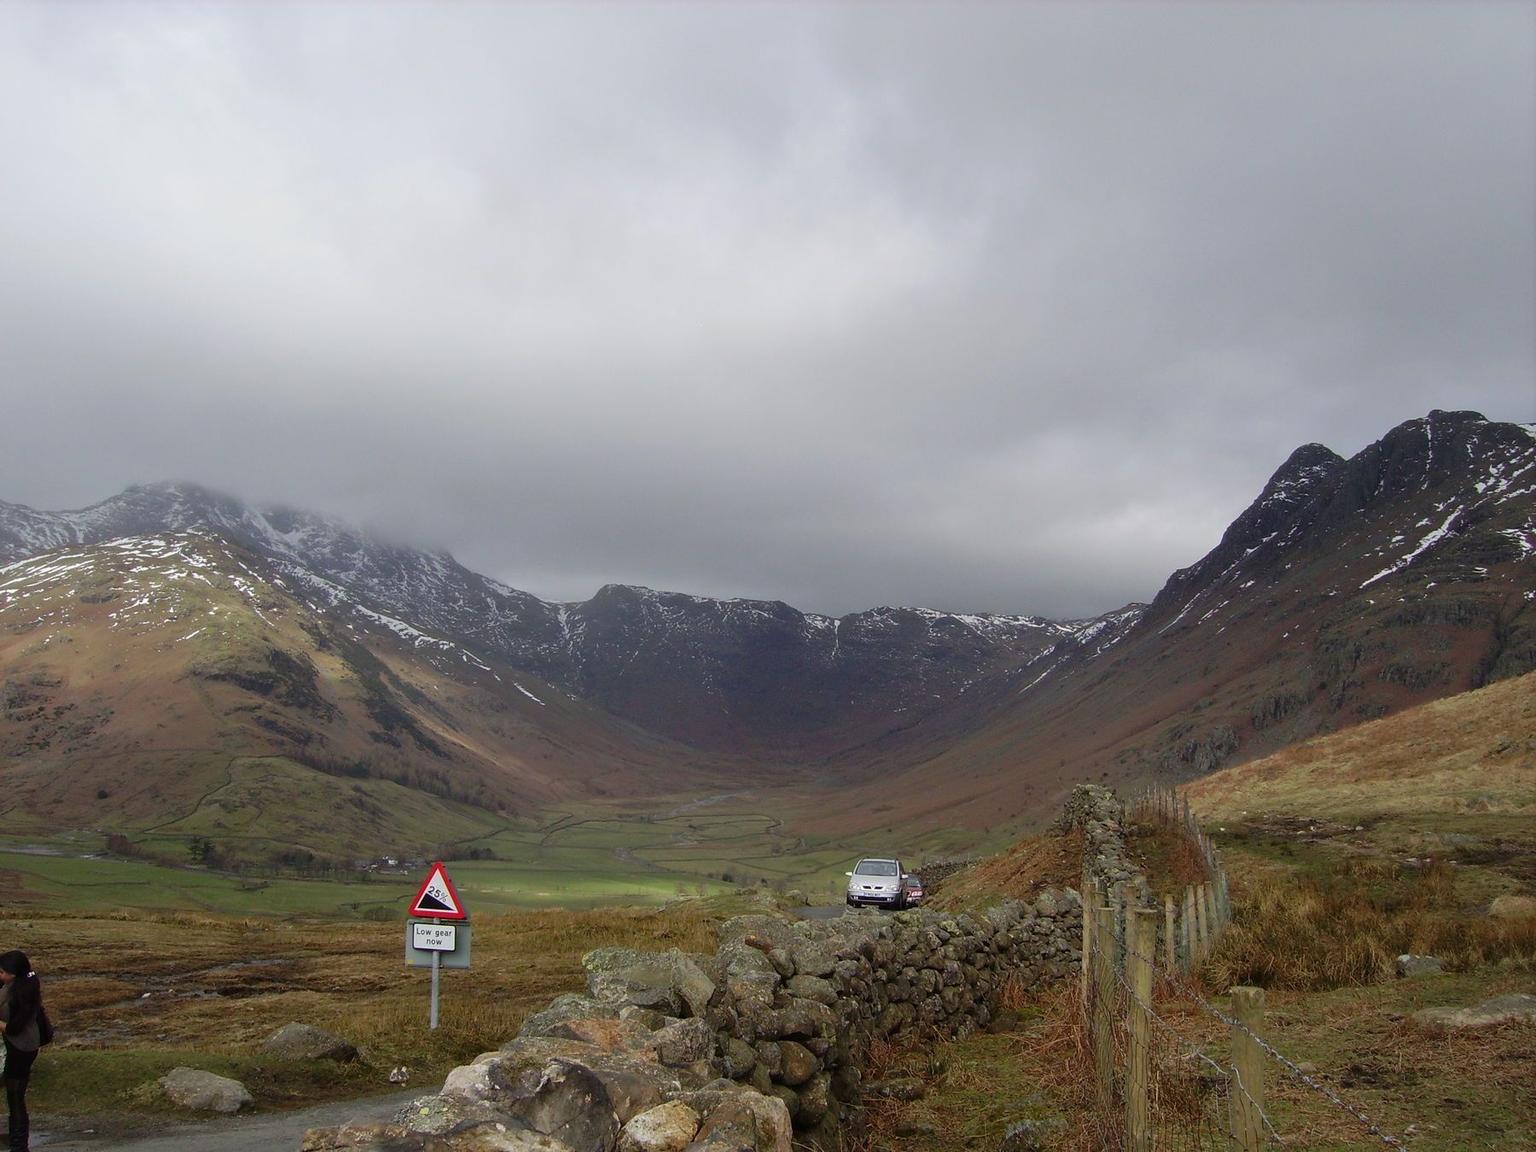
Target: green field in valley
{"type": "Point", "coordinates": [571, 858]}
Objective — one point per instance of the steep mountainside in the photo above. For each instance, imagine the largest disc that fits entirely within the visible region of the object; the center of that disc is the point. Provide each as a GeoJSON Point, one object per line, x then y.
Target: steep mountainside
{"type": "Point", "coordinates": [1350, 589]}
{"type": "Point", "coordinates": [174, 677]}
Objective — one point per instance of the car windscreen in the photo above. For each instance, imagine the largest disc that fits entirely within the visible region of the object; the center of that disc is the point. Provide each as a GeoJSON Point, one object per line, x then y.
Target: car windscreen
{"type": "Point", "coordinates": [876, 868]}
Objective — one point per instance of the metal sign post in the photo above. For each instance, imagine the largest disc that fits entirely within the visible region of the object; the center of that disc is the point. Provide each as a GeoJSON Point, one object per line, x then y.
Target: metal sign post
{"type": "Point", "coordinates": [431, 942]}
{"type": "Point", "coordinates": [437, 967]}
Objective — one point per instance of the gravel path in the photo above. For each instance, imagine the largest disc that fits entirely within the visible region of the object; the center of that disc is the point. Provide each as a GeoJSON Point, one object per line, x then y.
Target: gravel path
{"type": "Point", "coordinates": [270, 1132]}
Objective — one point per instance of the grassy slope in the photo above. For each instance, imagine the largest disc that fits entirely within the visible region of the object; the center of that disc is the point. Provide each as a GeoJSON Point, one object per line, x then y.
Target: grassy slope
{"type": "Point", "coordinates": [1472, 753]}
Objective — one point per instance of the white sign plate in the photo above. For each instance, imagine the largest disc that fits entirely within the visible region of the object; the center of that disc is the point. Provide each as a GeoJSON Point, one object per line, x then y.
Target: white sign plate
{"type": "Point", "coordinates": [449, 951]}
{"type": "Point", "coordinates": [432, 937]}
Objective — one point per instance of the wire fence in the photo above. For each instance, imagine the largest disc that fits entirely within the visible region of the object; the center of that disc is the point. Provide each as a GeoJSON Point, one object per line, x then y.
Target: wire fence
{"type": "Point", "coordinates": [1170, 1069]}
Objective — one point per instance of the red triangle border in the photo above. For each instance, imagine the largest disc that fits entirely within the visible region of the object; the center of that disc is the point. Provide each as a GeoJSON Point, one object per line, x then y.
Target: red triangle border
{"type": "Point", "coordinates": [418, 911]}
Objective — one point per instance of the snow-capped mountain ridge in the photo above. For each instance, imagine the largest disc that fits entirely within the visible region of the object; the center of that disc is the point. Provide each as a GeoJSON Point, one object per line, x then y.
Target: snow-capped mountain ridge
{"type": "Point", "coordinates": [1457, 468]}
{"type": "Point", "coordinates": [1449, 495]}
{"type": "Point", "coordinates": [718, 671]}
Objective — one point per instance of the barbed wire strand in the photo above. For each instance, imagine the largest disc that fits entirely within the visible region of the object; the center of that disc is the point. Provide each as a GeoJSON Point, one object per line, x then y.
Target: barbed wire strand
{"type": "Point", "coordinates": [1279, 1057]}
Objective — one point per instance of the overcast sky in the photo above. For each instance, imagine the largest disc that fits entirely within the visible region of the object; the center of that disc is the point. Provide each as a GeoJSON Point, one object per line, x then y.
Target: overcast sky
{"type": "Point", "coordinates": [1002, 307]}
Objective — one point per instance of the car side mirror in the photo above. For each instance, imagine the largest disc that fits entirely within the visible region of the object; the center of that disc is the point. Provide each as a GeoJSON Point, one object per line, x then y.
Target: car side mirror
{"type": "Point", "coordinates": [847, 873]}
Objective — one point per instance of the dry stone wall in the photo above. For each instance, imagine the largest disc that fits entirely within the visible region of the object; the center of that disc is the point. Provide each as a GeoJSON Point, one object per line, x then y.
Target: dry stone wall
{"type": "Point", "coordinates": [1100, 814]}
{"type": "Point", "coordinates": [752, 1046]}
{"type": "Point", "coordinates": [935, 872]}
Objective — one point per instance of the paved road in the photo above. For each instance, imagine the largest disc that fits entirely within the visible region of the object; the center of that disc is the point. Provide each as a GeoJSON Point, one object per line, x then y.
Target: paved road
{"type": "Point", "coordinates": [270, 1132]}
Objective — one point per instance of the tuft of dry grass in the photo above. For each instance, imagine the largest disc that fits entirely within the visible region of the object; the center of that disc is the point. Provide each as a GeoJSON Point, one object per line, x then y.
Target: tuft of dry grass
{"type": "Point", "coordinates": [1346, 926]}
{"type": "Point", "coordinates": [1168, 858]}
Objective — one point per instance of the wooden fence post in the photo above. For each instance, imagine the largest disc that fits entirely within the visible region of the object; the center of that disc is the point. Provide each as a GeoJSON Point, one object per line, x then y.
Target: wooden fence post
{"type": "Point", "coordinates": [1187, 928]}
{"type": "Point", "coordinates": [1089, 892]}
{"type": "Point", "coordinates": [1114, 899]}
{"type": "Point", "coordinates": [1138, 967]}
{"type": "Point", "coordinates": [1170, 948]}
{"type": "Point", "coordinates": [1248, 1069]}
{"type": "Point", "coordinates": [1104, 963]}
{"type": "Point", "coordinates": [1213, 924]}
{"type": "Point", "coordinates": [1202, 925]}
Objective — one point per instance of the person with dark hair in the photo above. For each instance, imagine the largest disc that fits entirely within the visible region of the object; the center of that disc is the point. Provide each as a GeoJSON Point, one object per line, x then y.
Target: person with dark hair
{"type": "Point", "coordinates": [21, 1005]}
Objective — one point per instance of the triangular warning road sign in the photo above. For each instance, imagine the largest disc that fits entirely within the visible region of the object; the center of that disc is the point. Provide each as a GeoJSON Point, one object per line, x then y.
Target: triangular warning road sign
{"type": "Point", "coordinates": [436, 898]}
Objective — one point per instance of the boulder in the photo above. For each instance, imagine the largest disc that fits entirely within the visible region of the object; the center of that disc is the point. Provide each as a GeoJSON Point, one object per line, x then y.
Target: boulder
{"type": "Point", "coordinates": [670, 982]}
{"type": "Point", "coordinates": [1513, 1007]}
{"type": "Point", "coordinates": [770, 1056]}
{"type": "Point", "coordinates": [204, 1091]}
{"type": "Point", "coordinates": [569, 1006]}
{"type": "Point", "coordinates": [815, 1100]}
{"type": "Point", "coordinates": [750, 976]}
{"type": "Point", "coordinates": [615, 1034]}
{"type": "Point", "coordinates": [433, 1116]}
{"type": "Point", "coordinates": [680, 1043]}
{"type": "Point", "coordinates": [1513, 907]}
{"type": "Point", "coordinates": [801, 1020]}
{"type": "Point", "coordinates": [306, 1042]}
{"type": "Point", "coordinates": [668, 1127]}
{"type": "Point", "coordinates": [797, 1063]}
{"type": "Point", "coordinates": [790, 1097]}
{"type": "Point", "coordinates": [371, 1137]}
{"type": "Point", "coordinates": [1411, 967]}
{"type": "Point", "coordinates": [737, 1058]}
{"type": "Point", "coordinates": [760, 1080]}
{"type": "Point", "coordinates": [483, 1135]}
{"type": "Point", "coordinates": [811, 988]}
{"type": "Point", "coordinates": [516, 1080]}
{"type": "Point", "coordinates": [648, 1017]}
{"type": "Point", "coordinates": [571, 1104]}
{"type": "Point", "coordinates": [745, 1120]}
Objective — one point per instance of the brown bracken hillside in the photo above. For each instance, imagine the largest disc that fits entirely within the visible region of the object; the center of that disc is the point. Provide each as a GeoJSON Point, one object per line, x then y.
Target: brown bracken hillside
{"type": "Point", "coordinates": [1473, 752]}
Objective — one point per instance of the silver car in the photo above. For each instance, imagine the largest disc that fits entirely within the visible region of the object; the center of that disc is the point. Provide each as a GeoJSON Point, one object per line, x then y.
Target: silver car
{"type": "Point", "coordinates": [876, 882]}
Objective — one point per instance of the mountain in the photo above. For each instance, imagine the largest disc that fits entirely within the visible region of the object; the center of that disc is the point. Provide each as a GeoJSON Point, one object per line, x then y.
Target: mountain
{"type": "Point", "coordinates": [1349, 589]}
{"type": "Point", "coordinates": [177, 682]}
{"type": "Point", "coordinates": [723, 675]}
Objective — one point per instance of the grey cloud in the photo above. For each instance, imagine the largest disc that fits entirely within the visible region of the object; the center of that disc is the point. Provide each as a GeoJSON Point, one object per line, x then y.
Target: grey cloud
{"type": "Point", "coordinates": [999, 307]}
